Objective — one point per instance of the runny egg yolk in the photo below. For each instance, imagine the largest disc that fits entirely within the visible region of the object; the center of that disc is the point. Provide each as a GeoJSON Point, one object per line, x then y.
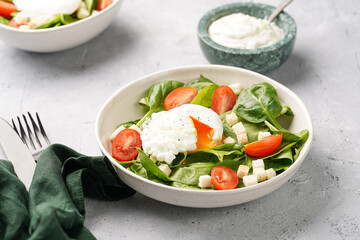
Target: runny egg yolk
{"type": "Point", "coordinates": [204, 135]}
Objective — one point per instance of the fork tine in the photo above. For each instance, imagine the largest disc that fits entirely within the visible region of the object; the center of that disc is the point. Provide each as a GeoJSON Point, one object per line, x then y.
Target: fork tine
{"type": "Point", "coordinates": [36, 129]}
{"type": "Point", "coordinates": [15, 128]}
{"type": "Point", "coordinates": [30, 134]}
{"type": "Point", "coordinates": [42, 130]}
{"type": "Point", "coordinates": [22, 133]}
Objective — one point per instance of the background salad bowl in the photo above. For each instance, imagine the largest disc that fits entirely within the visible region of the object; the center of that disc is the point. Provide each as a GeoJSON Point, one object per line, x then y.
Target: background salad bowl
{"type": "Point", "coordinates": [123, 106]}
{"type": "Point", "coordinates": [62, 37]}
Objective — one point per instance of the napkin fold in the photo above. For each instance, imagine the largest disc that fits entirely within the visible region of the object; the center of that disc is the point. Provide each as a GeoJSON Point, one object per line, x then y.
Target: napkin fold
{"type": "Point", "coordinates": [54, 207]}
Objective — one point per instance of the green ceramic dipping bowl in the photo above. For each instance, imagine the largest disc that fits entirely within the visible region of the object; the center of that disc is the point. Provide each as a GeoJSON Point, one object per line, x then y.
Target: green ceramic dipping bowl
{"type": "Point", "coordinates": [259, 60]}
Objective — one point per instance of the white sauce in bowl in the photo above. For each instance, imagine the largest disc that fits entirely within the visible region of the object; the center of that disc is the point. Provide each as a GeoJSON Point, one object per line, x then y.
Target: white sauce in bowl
{"type": "Point", "coordinates": [242, 31]}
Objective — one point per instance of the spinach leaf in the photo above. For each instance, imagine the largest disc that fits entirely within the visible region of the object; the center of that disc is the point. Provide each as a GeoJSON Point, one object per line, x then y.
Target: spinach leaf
{"type": "Point", "coordinates": [190, 174]}
{"type": "Point", "coordinates": [49, 24]}
{"type": "Point", "coordinates": [200, 83]}
{"type": "Point", "coordinates": [280, 162]}
{"type": "Point", "coordinates": [4, 21]}
{"type": "Point", "coordinates": [91, 5]}
{"type": "Point", "coordinates": [230, 164]}
{"type": "Point", "coordinates": [259, 103]}
{"type": "Point", "coordinates": [67, 19]}
{"type": "Point", "coordinates": [180, 158]}
{"type": "Point", "coordinates": [151, 167]}
{"type": "Point", "coordinates": [204, 97]}
{"type": "Point", "coordinates": [128, 124]}
{"type": "Point", "coordinates": [157, 95]}
{"type": "Point", "coordinates": [138, 169]}
{"type": "Point", "coordinates": [224, 150]}
{"type": "Point", "coordinates": [201, 157]}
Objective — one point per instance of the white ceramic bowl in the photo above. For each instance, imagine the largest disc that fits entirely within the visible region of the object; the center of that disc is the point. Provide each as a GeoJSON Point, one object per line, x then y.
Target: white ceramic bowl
{"type": "Point", "coordinates": [63, 37]}
{"type": "Point", "coordinates": [122, 107]}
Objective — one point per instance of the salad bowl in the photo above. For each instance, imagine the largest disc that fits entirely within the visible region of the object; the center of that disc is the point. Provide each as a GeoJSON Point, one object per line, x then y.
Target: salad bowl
{"type": "Point", "coordinates": [123, 106]}
{"type": "Point", "coordinates": [62, 37]}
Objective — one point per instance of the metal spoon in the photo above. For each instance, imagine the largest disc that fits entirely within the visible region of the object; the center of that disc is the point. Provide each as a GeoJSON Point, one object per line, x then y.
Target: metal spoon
{"type": "Point", "coordinates": [279, 9]}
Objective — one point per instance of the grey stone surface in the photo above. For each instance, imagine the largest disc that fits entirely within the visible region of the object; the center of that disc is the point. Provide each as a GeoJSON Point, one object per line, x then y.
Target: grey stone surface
{"type": "Point", "coordinates": [320, 202]}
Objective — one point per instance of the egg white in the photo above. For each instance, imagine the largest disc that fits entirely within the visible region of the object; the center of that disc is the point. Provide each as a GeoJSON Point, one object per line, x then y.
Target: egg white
{"type": "Point", "coordinates": [169, 133]}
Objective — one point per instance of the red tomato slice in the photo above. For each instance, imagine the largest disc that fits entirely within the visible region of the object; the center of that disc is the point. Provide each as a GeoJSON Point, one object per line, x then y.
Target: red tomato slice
{"type": "Point", "coordinates": [6, 8]}
{"type": "Point", "coordinates": [224, 178]}
{"type": "Point", "coordinates": [102, 4]}
{"type": "Point", "coordinates": [180, 96]}
{"type": "Point", "coordinates": [125, 143]}
{"type": "Point", "coordinates": [223, 99]}
{"type": "Point", "coordinates": [263, 147]}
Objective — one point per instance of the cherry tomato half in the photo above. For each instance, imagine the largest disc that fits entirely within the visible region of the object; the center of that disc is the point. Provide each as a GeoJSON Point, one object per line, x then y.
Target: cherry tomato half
{"type": "Point", "coordinates": [263, 147]}
{"type": "Point", "coordinates": [102, 4]}
{"type": "Point", "coordinates": [125, 143]}
{"type": "Point", "coordinates": [179, 96]}
{"type": "Point", "coordinates": [223, 99]}
{"type": "Point", "coordinates": [224, 178]}
{"type": "Point", "coordinates": [6, 8]}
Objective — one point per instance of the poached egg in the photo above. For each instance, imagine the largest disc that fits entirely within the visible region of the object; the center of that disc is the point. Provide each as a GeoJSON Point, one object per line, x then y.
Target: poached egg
{"type": "Point", "coordinates": [186, 128]}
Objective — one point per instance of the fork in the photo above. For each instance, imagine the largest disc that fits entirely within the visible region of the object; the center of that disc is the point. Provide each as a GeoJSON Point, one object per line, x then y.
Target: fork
{"type": "Point", "coordinates": [35, 139]}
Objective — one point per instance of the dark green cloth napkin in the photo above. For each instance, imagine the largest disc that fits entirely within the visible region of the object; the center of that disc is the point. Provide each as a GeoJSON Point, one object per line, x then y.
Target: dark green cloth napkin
{"type": "Point", "coordinates": [54, 207]}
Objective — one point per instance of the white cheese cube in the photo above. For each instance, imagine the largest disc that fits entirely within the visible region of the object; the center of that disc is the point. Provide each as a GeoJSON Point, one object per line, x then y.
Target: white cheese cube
{"type": "Point", "coordinates": [229, 140]}
{"type": "Point", "coordinates": [82, 13]}
{"type": "Point", "coordinates": [258, 164]}
{"type": "Point", "coordinates": [270, 173]}
{"type": "Point", "coordinates": [165, 168]}
{"type": "Point", "coordinates": [243, 171]}
{"type": "Point", "coordinates": [263, 135]}
{"type": "Point", "coordinates": [136, 128]}
{"type": "Point", "coordinates": [116, 132]}
{"type": "Point", "coordinates": [236, 87]}
{"type": "Point", "coordinates": [239, 128]}
{"type": "Point", "coordinates": [260, 174]}
{"type": "Point", "coordinates": [249, 180]}
{"type": "Point", "coordinates": [153, 158]}
{"type": "Point", "coordinates": [242, 138]}
{"type": "Point", "coordinates": [21, 18]}
{"type": "Point", "coordinates": [205, 181]}
{"type": "Point", "coordinates": [232, 119]}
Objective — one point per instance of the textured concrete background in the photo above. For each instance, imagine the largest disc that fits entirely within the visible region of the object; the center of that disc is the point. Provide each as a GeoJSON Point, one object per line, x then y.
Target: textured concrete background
{"type": "Point", "coordinates": [320, 202]}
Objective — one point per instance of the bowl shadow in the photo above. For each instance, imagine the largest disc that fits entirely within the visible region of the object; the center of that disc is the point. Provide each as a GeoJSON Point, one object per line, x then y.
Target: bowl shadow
{"type": "Point", "coordinates": [113, 43]}
{"type": "Point", "coordinates": [283, 214]}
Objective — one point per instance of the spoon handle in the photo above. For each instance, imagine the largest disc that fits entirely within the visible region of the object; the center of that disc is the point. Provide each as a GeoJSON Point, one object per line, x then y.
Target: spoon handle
{"type": "Point", "coordinates": [279, 9]}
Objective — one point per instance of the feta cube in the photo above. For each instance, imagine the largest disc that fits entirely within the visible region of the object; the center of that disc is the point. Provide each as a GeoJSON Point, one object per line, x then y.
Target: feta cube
{"type": "Point", "coordinates": [116, 132]}
{"type": "Point", "coordinates": [136, 128]}
{"type": "Point", "coordinates": [229, 140]}
{"type": "Point", "coordinates": [263, 135]}
{"type": "Point", "coordinates": [82, 13]}
{"type": "Point", "coordinates": [258, 164]}
{"type": "Point", "coordinates": [242, 171]}
{"type": "Point", "coordinates": [260, 174]}
{"type": "Point", "coordinates": [232, 119]}
{"type": "Point", "coordinates": [270, 173]}
{"type": "Point", "coordinates": [250, 180]}
{"type": "Point", "coordinates": [236, 87]}
{"type": "Point", "coordinates": [205, 181]}
{"type": "Point", "coordinates": [165, 168]}
{"type": "Point", "coordinates": [153, 158]}
{"type": "Point", "coordinates": [238, 128]}
{"type": "Point", "coordinates": [242, 138]}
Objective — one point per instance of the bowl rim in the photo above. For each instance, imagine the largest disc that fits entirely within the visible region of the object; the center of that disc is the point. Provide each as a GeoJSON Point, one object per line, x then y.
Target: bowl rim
{"type": "Point", "coordinates": [291, 170]}
{"type": "Point", "coordinates": [54, 29]}
{"type": "Point", "coordinates": [206, 18]}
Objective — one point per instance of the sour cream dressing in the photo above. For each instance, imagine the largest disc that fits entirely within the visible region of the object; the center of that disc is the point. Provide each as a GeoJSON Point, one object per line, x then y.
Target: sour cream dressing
{"type": "Point", "coordinates": [242, 31]}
